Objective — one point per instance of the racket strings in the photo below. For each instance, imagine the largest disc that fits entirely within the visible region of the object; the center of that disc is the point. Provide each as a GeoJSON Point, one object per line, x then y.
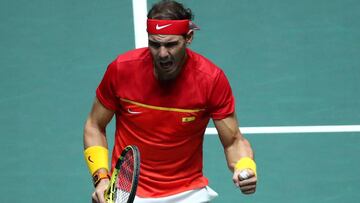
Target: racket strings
{"type": "Point", "coordinates": [125, 178]}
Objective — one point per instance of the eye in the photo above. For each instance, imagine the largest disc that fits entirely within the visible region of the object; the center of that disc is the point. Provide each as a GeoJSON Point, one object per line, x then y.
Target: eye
{"type": "Point", "coordinates": [171, 44]}
{"type": "Point", "coordinates": [154, 45]}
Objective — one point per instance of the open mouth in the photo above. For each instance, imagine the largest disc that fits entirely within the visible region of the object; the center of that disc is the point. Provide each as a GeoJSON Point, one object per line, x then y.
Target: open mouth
{"type": "Point", "coordinates": [166, 64]}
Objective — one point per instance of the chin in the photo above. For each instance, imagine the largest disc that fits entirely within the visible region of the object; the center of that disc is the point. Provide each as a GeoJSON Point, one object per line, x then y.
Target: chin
{"type": "Point", "coordinates": [166, 77]}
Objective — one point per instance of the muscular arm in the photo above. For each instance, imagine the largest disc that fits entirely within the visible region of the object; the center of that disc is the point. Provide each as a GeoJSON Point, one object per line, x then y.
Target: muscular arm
{"type": "Point", "coordinates": [95, 125]}
{"type": "Point", "coordinates": [95, 135]}
{"type": "Point", "coordinates": [235, 145]}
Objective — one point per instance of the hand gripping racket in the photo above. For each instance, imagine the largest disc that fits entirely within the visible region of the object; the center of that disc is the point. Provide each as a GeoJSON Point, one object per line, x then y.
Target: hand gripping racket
{"type": "Point", "coordinates": [124, 180]}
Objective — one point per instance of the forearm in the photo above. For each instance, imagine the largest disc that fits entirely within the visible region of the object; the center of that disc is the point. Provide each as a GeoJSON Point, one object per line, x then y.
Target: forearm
{"type": "Point", "coordinates": [235, 150]}
{"type": "Point", "coordinates": [94, 135]}
{"type": "Point", "coordinates": [235, 145]}
{"type": "Point", "coordinates": [95, 144]}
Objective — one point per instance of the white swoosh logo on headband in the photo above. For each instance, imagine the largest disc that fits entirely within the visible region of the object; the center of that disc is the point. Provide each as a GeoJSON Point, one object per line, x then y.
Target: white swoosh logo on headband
{"type": "Point", "coordinates": [158, 27]}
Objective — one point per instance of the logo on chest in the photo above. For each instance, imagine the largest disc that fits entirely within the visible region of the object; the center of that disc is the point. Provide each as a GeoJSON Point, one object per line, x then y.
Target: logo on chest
{"type": "Point", "coordinates": [188, 119]}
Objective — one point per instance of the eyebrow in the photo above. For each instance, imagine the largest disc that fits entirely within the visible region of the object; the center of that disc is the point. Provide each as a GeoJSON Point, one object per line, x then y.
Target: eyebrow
{"type": "Point", "coordinates": [156, 43]}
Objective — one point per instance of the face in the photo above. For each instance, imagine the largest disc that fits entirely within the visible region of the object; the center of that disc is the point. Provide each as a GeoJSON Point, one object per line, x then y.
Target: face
{"type": "Point", "coordinates": [169, 54]}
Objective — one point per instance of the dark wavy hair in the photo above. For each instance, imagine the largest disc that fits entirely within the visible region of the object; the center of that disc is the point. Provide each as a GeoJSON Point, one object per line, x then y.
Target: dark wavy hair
{"type": "Point", "coordinates": [170, 10]}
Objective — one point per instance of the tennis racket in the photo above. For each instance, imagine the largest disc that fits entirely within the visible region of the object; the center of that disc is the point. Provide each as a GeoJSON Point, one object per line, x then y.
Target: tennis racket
{"type": "Point", "coordinates": [124, 180]}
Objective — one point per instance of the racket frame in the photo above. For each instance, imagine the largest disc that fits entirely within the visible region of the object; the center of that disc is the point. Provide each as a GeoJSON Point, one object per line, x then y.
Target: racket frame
{"type": "Point", "coordinates": [110, 192]}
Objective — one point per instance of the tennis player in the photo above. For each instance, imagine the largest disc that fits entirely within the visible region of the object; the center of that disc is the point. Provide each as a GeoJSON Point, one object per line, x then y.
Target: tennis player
{"type": "Point", "coordinates": [163, 97]}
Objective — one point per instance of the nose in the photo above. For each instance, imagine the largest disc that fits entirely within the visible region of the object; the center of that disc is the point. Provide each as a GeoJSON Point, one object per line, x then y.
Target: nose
{"type": "Point", "coordinates": [163, 52]}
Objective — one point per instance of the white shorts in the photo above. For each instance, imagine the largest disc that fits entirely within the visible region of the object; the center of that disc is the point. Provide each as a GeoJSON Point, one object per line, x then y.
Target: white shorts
{"type": "Point", "coordinates": [202, 195]}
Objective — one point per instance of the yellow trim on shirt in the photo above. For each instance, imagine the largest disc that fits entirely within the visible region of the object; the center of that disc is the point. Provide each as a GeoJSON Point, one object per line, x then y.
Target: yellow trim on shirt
{"type": "Point", "coordinates": [162, 108]}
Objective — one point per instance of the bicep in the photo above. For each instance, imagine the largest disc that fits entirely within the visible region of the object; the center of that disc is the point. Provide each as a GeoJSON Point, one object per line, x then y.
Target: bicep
{"type": "Point", "coordinates": [228, 130]}
{"type": "Point", "coordinates": [99, 114]}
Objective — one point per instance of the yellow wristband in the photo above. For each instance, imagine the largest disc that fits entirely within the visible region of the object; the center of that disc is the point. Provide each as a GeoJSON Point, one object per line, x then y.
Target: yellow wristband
{"type": "Point", "coordinates": [96, 157]}
{"type": "Point", "coordinates": [246, 163]}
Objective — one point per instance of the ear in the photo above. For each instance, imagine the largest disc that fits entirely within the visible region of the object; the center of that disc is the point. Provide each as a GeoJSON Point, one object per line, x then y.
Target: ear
{"type": "Point", "coordinates": [189, 37]}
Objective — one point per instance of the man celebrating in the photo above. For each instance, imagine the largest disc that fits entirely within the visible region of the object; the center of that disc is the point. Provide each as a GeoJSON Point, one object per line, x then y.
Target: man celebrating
{"type": "Point", "coordinates": [163, 97]}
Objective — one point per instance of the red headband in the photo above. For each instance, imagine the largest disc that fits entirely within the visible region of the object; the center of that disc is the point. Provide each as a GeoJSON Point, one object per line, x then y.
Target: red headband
{"type": "Point", "coordinates": [168, 27]}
